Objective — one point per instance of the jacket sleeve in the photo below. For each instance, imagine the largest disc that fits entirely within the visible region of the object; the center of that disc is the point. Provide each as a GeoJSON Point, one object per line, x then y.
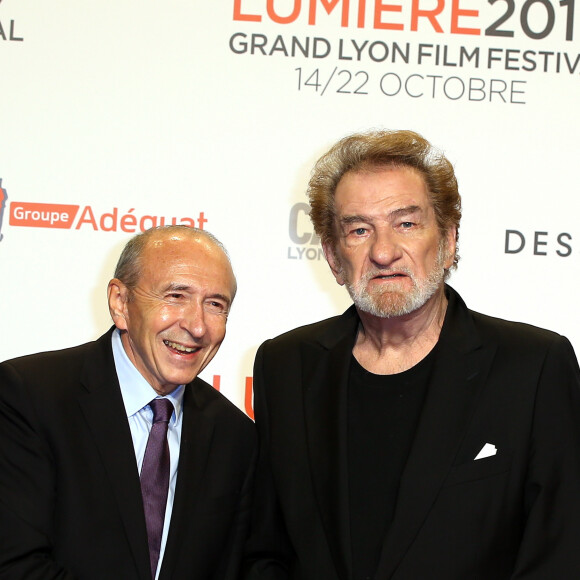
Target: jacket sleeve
{"type": "Point", "coordinates": [27, 487]}
{"type": "Point", "coordinates": [549, 546]}
{"type": "Point", "coordinates": [268, 553]}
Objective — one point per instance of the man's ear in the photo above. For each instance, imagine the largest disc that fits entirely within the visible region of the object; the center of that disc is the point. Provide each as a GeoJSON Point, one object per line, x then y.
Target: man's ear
{"type": "Point", "coordinates": [118, 296]}
{"type": "Point", "coordinates": [334, 264]}
{"type": "Point", "coordinates": [451, 241]}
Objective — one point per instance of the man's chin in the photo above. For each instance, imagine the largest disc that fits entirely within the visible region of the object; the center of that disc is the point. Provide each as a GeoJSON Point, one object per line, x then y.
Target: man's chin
{"type": "Point", "coordinates": [393, 303]}
{"type": "Point", "coordinates": [386, 305]}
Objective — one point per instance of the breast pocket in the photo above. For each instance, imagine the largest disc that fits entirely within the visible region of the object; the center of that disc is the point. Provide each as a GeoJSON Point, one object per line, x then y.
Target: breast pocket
{"type": "Point", "coordinates": [478, 469]}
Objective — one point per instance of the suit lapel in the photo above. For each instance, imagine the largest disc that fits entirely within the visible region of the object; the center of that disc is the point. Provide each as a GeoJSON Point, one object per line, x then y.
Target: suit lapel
{"type": "Point", "coordinates": [461, 365]}
{"type": "Point", "coordinates": [326, 368]}
{"type": "Point", "coordinates": [102, 405]}
{"type": "Point", "coordinates": [196, 439]}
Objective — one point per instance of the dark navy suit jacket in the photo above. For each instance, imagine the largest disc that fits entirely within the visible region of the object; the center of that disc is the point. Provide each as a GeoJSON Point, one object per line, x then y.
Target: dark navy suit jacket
{"type": "Point", "coordinates": [70, 499]}
{"type": "Point", "coordinates": [515, 514]}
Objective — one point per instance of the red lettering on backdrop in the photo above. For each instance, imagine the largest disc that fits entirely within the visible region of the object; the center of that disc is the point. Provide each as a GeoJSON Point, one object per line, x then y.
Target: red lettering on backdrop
{"type": "Point", "coordinates": [431, 15]}
{"type": "Point", "coordinates": [88, 211]}
{"type": "Point", "coordinates": [381, 21]}
{"type": "Point", "coordinates": [249, 398]}
{"type": "Point", "coordinates": [275, 17]}
{"type": "Point", "coordinates": [329, 6]}
{"type": "Point", "coordinates": [42, 215]}
{"type": "Point", "coordinates": [361, 13]}
{"type": "Point", "coordinates": [456, 12]}
{"type": "Point", "coordinates": [379, 9]}
{"type": "Point", "coordinates": [244, 17]}
{"type": "Point", "coordinates": [248, 394]}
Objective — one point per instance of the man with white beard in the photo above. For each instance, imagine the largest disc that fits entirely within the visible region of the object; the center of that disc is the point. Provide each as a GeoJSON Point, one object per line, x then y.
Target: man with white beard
{"type": "Point", "coordinates": [410, 438]}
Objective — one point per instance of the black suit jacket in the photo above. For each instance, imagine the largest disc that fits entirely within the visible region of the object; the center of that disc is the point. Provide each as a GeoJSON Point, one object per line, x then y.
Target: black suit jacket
{"type": "Point", "coordinates": [70, 499]}
{"type": "Point", "coordinates": [515, 514]}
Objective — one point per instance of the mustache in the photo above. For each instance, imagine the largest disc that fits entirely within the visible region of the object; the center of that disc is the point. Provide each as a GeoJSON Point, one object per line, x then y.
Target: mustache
{"type": "Point", "coordinates": [377, 272]}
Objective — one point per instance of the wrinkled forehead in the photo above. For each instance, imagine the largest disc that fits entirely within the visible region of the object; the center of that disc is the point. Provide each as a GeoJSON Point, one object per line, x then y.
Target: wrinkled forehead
{"type": "Point", "coordinates": [384, 185]}
{"type": "Point", "coordinates": [179, 259]}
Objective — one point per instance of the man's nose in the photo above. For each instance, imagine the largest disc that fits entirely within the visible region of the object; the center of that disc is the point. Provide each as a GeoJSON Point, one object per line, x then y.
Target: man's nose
{"type": "Point", "coordinates": [193, 319]}
{"type": "Point", "coordinates": [384, 248]}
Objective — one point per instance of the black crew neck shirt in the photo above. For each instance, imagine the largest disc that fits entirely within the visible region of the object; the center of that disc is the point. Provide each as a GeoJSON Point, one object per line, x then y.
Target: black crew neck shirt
{"type": "Point", "coordinates": [383, 413]}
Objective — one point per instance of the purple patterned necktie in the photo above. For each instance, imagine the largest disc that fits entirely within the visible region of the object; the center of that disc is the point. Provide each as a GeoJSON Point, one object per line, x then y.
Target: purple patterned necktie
{"type": "Point", "coordinates": [155, 477]}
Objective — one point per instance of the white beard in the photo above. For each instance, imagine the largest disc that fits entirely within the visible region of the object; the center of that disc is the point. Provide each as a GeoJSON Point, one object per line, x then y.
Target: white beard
{"type": "Point", "coordinates": [391, 300]}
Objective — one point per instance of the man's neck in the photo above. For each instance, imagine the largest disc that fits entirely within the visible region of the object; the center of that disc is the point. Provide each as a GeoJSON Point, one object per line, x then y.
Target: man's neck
{"type": "Point", "coordinates": [393, 345]}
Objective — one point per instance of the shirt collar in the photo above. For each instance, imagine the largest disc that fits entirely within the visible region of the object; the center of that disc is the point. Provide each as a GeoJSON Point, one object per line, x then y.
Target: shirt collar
{"type": "Point", "coordinates": [135, 390]}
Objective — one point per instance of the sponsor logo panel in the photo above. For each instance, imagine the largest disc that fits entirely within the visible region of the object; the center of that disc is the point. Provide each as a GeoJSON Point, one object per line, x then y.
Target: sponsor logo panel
{"type": "Point", "coordinates": [305, 243]}
{"type": "Point", "coordinates": [379, 49]}
{"type": "Point", "coordinates": [75, 217]}
{"type": "Point", "coordinates": [538, 243]}
{"type": "Point", "coordinates": [43, 215]}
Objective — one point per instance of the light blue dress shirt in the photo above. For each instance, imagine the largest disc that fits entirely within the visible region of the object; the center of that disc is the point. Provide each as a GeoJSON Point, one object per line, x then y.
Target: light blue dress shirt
{"type": "Point", "coordinates": [137, 393]}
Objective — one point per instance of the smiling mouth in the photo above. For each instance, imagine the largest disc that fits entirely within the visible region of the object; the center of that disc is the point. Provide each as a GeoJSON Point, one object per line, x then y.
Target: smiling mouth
{"type": "Point", "coordinates": [180, 348]}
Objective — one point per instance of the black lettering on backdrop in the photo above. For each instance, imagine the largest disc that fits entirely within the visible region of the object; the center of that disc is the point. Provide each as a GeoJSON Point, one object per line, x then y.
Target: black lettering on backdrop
{"type": "Point", "coordinates": [515, 242]}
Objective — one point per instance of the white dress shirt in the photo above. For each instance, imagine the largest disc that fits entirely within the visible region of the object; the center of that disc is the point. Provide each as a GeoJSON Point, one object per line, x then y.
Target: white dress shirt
{"type": "Point", "coordinates": [137, 393]}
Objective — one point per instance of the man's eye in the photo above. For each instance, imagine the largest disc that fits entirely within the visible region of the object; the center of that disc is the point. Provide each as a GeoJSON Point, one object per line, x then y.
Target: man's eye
{"type": "Point", "coordinates": [407, 225]}
{"type": "Point", "coordinates": [360, 231]}
{"type": "Point", "coordinates": [215, 307]}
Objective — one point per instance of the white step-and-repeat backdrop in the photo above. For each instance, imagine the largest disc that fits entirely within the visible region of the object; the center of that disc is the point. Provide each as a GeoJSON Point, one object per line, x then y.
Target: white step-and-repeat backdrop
{"type": "Point", "coordinates": [119, 115]}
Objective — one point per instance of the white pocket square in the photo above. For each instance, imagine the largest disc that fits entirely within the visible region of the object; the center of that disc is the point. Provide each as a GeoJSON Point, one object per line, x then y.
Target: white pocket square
{"type": "Point", "coordinates": [488, 450]}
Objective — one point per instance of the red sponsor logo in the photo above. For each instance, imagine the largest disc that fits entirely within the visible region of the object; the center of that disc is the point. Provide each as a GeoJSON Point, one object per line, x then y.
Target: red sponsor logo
{"type": "Point", "coordinates": [66, 217]}
{"type": "Point", "coordinates": [43, 215]}
{"type": "Point", "coordinates": [382, 15]}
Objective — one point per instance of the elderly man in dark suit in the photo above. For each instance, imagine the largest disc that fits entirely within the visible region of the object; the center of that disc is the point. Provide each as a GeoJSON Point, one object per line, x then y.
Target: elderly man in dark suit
{"type": "Point", "coordinates": [116, 461]}
{"type": "Point", "coordinates": [410, 438]}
